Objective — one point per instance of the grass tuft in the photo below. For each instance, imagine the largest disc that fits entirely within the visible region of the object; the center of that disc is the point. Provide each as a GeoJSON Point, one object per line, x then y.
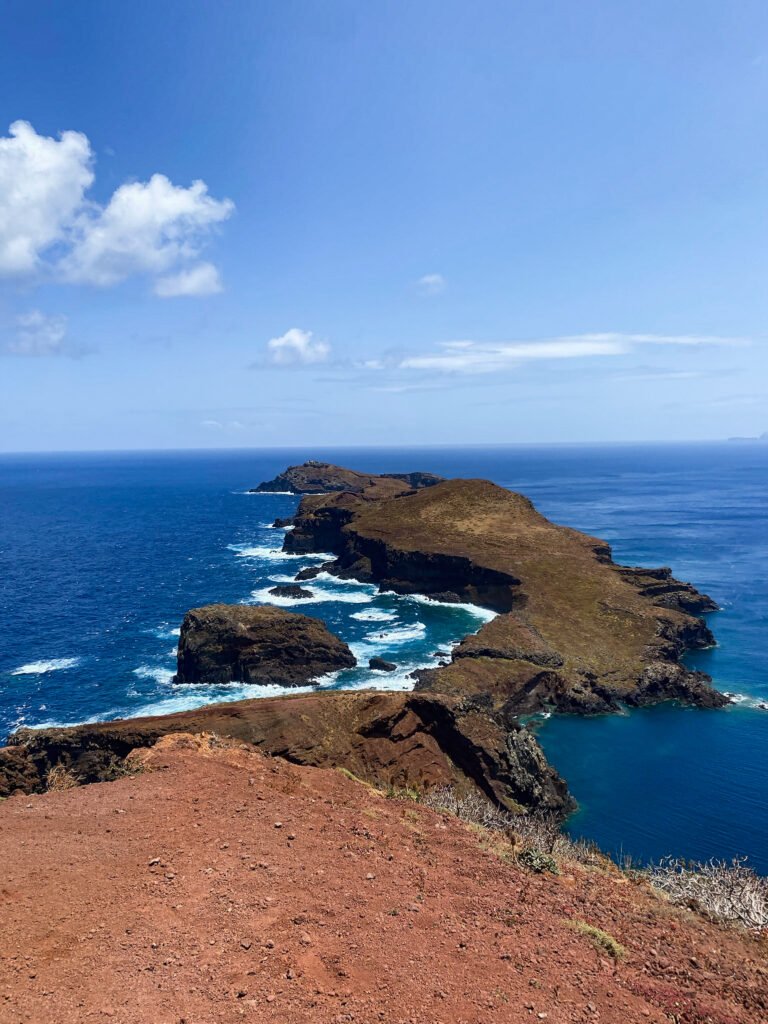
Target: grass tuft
{"type": "Point", "coordinates": [601, 940]}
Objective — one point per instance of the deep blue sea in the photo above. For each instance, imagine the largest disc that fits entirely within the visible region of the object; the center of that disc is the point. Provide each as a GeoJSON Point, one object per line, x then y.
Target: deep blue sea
{"type": "Point", "coordinates": [102, 554]}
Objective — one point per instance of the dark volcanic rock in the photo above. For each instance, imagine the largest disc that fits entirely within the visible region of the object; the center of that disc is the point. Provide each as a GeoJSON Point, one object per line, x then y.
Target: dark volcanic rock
{"type": "Point", "coordinates": [380, 665]}
{"type": "Point", "coordinates": [309, 573]}
{"type": "Point", "coordinates": [292, 591]}
{"type": "Point", "coordinates": [223, 643]}
{"type": "Point", "coordinates": [282, 523]}
{"type": "Point", "coordinates": [321, 477]}
{"type": "Point", "coordinates": [399, 739]}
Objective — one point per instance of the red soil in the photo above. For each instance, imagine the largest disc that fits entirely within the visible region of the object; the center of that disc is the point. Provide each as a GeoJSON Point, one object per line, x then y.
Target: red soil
{"type": "Point", "coordinates": [223, 886]}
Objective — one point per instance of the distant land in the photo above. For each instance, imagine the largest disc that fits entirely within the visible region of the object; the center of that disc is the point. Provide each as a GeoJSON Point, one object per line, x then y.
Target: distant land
{"type": "Point", "coordinates": [758, 437]}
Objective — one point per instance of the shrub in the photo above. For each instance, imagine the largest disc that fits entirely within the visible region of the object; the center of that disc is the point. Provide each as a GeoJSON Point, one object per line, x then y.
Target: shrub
{"type": "Point", "coordinates": [538, 862]}
{"type": "Point", "coordinates": [60, 778]}
{"type": "Point", "coordinates": [726, 891]}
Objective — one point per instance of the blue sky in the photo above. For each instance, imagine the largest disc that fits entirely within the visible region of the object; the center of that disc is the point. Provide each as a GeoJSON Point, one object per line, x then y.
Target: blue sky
{"type": "Point", "coordinates": [258, 223]}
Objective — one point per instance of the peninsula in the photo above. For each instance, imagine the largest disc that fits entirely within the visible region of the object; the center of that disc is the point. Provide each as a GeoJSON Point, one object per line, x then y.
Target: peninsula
{"type": "Point", "coordinates": [574, 632]}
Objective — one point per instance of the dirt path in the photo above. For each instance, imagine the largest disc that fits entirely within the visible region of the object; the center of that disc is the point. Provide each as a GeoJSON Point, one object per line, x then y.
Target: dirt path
{"type": "Point", "coordinates": [224, 886]}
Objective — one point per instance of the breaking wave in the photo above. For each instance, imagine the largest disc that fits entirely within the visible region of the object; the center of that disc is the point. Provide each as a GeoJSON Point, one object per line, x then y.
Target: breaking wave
{"type": "Point", "coordinates": [374, 615]}
{"type": "Point", "coordinates": [39, 668]}
{"type": "Point", "coordinates": [319, 596]}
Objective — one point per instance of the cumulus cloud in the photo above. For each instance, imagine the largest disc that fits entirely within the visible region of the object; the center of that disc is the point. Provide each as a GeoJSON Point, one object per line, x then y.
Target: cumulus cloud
{"type": "Point", "coordinates": [201, 279]}
{"type": "Point", "coordinates": [488, 357]}
{"type": "Point", "coordinates": [147, 227]}
{"type": "Point", "coordinates": [152, 228]}
{"type": "Point", "coordinates": [42, 184]}
{"type": "Point", "coordinates": [431, 284]}
{"type": "Point", "coordinates": [297, 348]}
{"type": "Point", "coordinates": [39, 335]}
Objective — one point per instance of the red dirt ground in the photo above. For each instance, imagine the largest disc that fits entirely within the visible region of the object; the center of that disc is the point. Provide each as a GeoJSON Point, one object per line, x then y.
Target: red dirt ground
{"type": "Point", "coordinates": [221, 885]}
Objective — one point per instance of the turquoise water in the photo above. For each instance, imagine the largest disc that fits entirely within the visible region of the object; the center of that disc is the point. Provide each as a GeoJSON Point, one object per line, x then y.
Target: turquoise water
{"type": "Point", "coordinates": [101, 555]}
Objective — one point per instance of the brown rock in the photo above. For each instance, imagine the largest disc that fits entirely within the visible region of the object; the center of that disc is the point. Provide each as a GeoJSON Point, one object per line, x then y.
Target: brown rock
{"type": "Point", "coordinates": [223, 643]}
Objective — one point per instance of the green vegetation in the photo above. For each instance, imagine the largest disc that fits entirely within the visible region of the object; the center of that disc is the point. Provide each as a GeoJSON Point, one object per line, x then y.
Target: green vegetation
{"type": "Point", "coordinates": [602, 941]}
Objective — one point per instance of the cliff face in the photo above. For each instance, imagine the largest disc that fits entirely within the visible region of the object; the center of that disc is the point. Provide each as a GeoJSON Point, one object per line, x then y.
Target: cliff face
{"type": "Point", "coordinates": [575, 631]}
{"type": "Point", "coordinates": [399, 739]}
{"type": "Point", "coordinates": [223, 643]}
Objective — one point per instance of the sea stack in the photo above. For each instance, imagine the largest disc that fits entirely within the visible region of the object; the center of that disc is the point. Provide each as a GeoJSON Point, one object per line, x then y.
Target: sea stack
{"type": "Point", "coordinates": [223, 643]}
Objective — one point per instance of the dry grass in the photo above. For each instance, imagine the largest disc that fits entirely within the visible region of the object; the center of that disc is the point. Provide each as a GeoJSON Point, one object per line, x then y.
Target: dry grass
{"type": "Point", "coordinates": [533, 837]}
{"type": "Point", "coordinates": [59, 778]}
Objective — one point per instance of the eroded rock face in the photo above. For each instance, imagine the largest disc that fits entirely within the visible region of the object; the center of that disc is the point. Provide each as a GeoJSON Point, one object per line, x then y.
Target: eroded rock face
{"type": "Point", "coordinates": [399, 739]}
{"type": "Point", "coordinates": [223, 643]}
{"type": "Point", "coordinates": [576, 631]}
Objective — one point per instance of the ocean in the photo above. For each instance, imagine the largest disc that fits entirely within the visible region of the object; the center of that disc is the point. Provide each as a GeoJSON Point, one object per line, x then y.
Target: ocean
{"type": "Point", "coordinates": [102, 554]}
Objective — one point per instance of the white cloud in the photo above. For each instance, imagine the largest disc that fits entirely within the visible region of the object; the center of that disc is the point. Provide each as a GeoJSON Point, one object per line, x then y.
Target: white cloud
{"type": "Point", "coordinates": [39, 335]}
{"type": "Point", "coordinates": [488, 357]}
{"type": "Point", "coordinates": [201, 279]}
{"type": "Point", "coordinates": [431, 284]}
{"type": "Point", "coordinates": [42, 184]}
{"type": "Point", "coordinates": [147, 227]}
{"type": "Point", "coordinates": [296, 348]}
{"type": "Point", "coordinates": [152, 228]}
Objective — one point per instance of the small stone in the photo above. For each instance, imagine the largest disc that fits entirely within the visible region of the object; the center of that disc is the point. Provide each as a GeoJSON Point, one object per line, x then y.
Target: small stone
{"type": "Point", "coordinates": [153, 862]}
{"type": "Point", "coordinates": [278, 824]}
{"type": "Point", "coordinates": [291, 836]}
{"type": "Point", "coordinates": [305, 939]}
{"type": "Point", "coordinates": [269, 944]}
{"type": "Point", "coordinates": [246, 943]}
{"type": "Point", "coordinates": [370, 877]}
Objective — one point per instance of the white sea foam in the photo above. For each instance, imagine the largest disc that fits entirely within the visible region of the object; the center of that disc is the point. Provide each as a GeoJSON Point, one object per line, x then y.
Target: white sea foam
{"type": "Point", "coordinates": [165, 631]}
{"type": "Point", "coordinates": [160, 675]}
{"type": "Point", "coordinates": [39, 668]}
{"type": "Point", "coordinates": [186, 697]}
{"type": "Point", "coordinates": [272, 554]}
{"type": "Point", "coordinates": [266, 494]}
{"type": "Point", "coordinates": [748, 701]}
{"type": "Point", "coordinates": [399, 635]}
{"type": "Point", "coordinates": [485, 614]}
{"type": "Point", "coordinates": [319, 596]}
{"type": "Point", "coordinates": [374, 615]}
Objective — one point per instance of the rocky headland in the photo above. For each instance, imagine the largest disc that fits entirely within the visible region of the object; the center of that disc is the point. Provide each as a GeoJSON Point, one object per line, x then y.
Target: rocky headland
{"type": "Point", "coordinates": [575, 631]}
{"type": "Point", "coordinates": [321, 477]}
{"type": "Point", "coordinates": [404, 740]}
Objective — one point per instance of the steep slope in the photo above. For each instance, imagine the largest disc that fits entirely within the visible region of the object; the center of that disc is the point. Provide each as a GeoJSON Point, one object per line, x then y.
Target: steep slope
{"type": "Point", "coordinates": [221, 885]}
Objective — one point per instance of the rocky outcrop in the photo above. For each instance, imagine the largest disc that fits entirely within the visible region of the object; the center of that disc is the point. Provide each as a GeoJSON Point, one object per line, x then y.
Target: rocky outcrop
{"type": "Point", "coordinates": [575, 631]}
{"type": "Point", "coordinates": [380, 665]}
{"type": "Point", "coordinates": [222, 643]}
{"type": "Point", "coordinates": [291, 591]}
{"type": "Point", "coordinates": [321, 477]}
{"type": "Point", "coordinates": [389, 739]}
